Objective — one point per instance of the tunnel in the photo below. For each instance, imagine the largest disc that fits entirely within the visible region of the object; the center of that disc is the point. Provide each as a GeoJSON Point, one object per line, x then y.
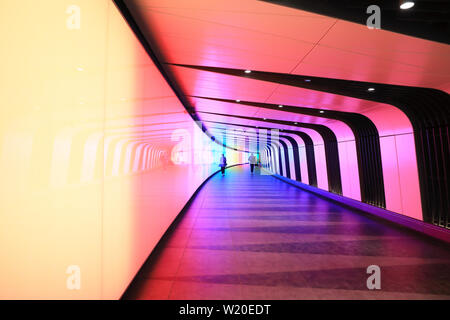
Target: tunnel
{"type": "Point", "coordinates": [224, 150]}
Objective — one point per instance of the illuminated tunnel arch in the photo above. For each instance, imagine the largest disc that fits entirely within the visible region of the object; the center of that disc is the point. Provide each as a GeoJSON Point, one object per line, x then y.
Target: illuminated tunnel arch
{"type": "Point", "coordinates": [305, 154]}
{"type": "Point", "coordinates": [313, 136]}
{"type": "Point", "coordinates": [399, 162]}
{"type": "Point", "coordinates": [327, 137]}
{"type": "Point", "coordinates": [367, 144]}
{"type": "Point", "coordinates": [430, 126]}
{"type": "Point", "coordinates": [300, 138]}
{"type": "Point", "coordinates": [293, 155]}
{"type": "Point", "coordinates": [274, 159]}
{"type": "Point", "coordinates": [288, 159]}
{"type": "Point", "coordinates": [345, 151]}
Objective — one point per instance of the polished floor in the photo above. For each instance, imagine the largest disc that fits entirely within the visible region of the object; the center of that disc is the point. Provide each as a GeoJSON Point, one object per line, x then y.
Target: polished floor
{"type": "Point", "coordinates": [255, 237]}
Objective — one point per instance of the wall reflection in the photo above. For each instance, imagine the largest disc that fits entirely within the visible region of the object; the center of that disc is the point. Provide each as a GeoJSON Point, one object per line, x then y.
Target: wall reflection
{"type": "Point", "coordinates": [97, 155]}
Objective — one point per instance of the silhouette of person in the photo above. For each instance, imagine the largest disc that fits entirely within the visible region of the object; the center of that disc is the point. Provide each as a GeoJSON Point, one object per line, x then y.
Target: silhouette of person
{"type": "Point", "coordinates": [222, 164]}
{"type": "Point", "coordinates": [252, 160]}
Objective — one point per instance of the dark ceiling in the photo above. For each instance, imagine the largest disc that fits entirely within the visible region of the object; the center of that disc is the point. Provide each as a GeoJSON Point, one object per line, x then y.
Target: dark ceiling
{"type": "Point", "coordinates": [428, 19]}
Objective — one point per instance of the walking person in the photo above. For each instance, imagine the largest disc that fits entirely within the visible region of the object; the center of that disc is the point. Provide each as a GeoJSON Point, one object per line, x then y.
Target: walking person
{"type": "Point", "coordinates": [252, 160]}
{"type": "Point", "coordinates": [222, 164]}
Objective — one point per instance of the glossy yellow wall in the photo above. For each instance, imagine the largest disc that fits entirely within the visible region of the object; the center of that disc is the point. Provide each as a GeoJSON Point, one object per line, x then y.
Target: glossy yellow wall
{"type": "Point", "coordinates": [97, 155]}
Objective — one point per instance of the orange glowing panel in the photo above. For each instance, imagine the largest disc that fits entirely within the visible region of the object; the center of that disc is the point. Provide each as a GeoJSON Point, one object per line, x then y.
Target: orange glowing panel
{"type": "Point", "coordinates": [97, 155]}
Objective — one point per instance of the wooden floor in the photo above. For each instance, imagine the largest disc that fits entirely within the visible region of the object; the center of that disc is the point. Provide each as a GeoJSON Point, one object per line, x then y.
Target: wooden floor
{"type": "Point", "coordinates": [255, 237]}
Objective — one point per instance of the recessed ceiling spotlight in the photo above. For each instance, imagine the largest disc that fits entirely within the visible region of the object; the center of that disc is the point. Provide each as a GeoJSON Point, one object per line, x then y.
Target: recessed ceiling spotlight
{"type": "Point", "coordinates": [321, 111]}
{"type": "Point", "coordinates": [307, 80]}
{"type": "Point", "coordinates": [248, 71]}
{"type": "Point", "coordinates": [280, 106]}
{"type": "Point", "coordinates": [371, 89]}
{"type": "Point", "coordinates": [80, 69]}
{"type": "Point", "coordinates": [295, 123]}
{"type": "Point", "coordinates": [404, 5]}
{"type": "Point", "coordinates": [238, 100]}
{"type": "Point", "coordinates": [264, 119]}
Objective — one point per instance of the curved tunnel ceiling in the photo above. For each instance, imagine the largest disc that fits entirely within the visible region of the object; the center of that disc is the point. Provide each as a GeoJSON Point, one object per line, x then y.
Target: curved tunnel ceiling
{"type": "Point", "coordinates": [377, 82]}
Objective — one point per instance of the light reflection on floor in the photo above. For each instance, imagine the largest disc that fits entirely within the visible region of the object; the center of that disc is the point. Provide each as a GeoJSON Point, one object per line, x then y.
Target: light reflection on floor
{"type": "Point", "coordinates": [255, 237]}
